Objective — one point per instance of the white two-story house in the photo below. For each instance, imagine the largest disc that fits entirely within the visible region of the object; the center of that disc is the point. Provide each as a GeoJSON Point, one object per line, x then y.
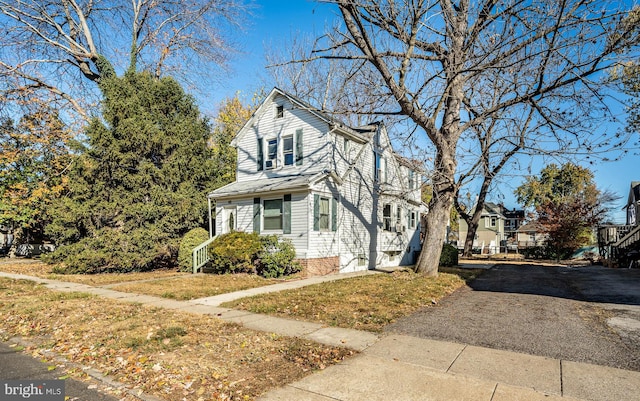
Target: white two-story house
{"type": "Point", "coordinates": [340, 194]}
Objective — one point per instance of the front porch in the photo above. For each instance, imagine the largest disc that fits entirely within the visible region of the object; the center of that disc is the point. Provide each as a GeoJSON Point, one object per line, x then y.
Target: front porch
{"type": "Point", "coordinates": [619, 244]}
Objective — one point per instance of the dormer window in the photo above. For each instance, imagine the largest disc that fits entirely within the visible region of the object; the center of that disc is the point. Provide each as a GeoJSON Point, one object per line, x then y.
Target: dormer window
{"type": "Point", "coordinates": [279, 111]}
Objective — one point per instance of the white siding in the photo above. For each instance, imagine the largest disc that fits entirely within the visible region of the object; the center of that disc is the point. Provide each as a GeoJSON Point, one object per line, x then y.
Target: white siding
{"type": "Point", "coordinates": [316, 145]}
{"type": "Point", "coordinates": [359, 241]}
{"type": "Point", "coordinates": [244, 207]}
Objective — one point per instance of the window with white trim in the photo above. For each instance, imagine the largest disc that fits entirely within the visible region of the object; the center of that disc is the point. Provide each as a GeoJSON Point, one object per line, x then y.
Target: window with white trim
{"type": "Point", "coordinates": [272, 219]}
{"type": "Point", "coordinates": [271, 161]}
{"type": "Point", "coordinates": [287, 150]}
{"type": "Point", "coordinates": [386, 217]}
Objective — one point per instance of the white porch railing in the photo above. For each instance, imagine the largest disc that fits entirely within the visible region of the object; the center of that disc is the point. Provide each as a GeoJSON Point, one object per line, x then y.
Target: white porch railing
{"type": "Point", "coordinates": [201, 255]}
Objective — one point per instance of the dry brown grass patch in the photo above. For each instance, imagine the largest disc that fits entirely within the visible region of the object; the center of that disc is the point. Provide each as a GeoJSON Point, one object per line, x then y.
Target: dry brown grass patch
{"type": "Point", "coordinates": [43, 270]}
{"type": "Point", "coordinates": [196, 286]}
{"type": "Point", "coordinates": [169, 354]}
{"type": "Point", "coordinates": [365, 303]}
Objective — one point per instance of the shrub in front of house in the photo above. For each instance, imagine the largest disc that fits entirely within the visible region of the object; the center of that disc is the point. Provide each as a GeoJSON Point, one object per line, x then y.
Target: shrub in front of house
{"type": "Point", "coordinates": [449, 256]}
{"type": "Point", "coordinates": [276, 258]}
{"type": "Point", "coordinates": [235, 252]}
{"type": "Point", "coordinates": [191, 239]}
{"type": "Point", "coordinates": [238, 252]}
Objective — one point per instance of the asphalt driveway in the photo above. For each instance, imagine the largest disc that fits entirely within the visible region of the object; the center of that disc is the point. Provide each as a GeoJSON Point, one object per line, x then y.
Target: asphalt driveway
{"type": "Point", "coordinates": [587, 314]}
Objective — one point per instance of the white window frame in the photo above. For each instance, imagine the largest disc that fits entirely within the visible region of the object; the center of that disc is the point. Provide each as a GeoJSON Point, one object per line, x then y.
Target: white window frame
{"type": "Point", "coordinates": [267, 158]}
{"type": "Point", "coordinates": [264, 215]}
{"type": "Point", "coordinates": [386, 220]}
{"type": "Point", "coordinates": [321, 200]}
{"type": "Point", "coordinates": [292, 151]}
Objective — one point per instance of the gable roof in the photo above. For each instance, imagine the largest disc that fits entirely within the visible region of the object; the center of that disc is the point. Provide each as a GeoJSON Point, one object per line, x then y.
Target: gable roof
{"type": "Point", "coordinates": [335, 124]}
{"type": "Point", "coordinates": [634, 193]}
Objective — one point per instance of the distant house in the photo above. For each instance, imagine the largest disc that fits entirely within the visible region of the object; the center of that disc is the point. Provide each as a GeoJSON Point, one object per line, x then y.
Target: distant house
{"type": "Point", "coordinates": [491, 229]}
{"type": "Point", "coordinates": [531, 235]}
{"type": "Point", "coordinates": [342, 195]}
{"type": "Point", "coordinates": [513, 221]}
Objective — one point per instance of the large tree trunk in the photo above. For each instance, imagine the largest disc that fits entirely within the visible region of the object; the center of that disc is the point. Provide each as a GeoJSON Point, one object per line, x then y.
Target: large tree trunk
{"type": "Point", "coordinates": [439, 212]}
{"type": "Point", "coordinates": [436, 231]}
{"type": "Point", "coordinates": [472, 227]}
{"type": "Point", "coordinates": [474, 219]}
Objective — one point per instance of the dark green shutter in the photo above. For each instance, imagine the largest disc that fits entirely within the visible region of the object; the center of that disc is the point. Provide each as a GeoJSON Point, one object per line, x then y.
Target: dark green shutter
{"type": "Point", "coordinates": [299, 148]}
{"type": "Point", "coordinates": [256, 215]}
{"type": "Point", "coordinates": [316, 213]}
{"type": "Point", "coordinates": [334, 214]}
{"type": "Point", "coordinates": [260, 155]}
{"type": "Point", "coordinates": [286, 218]}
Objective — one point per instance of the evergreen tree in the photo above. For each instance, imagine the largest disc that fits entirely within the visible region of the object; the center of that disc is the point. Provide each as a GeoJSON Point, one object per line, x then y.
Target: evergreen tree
{"type": "Point", "coordinates": [141, 184]}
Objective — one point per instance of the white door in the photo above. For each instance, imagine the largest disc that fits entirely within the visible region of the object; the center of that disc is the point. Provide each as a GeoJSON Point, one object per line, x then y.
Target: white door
{"type": "Point", "coordinates": [229, 219]}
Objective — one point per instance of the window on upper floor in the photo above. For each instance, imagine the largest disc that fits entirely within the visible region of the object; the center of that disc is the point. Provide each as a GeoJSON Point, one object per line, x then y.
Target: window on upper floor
{"type": "Point", "coordinates": [287, 150]}
{"type": "Point", "coordinates": [386, 217]}
{"type": "Point", "coordinates": [411, 179]}
{"type": "Point", "coordinates": [271, 161]}
{"type": "Point", "coordinates": [380, 172]}
{"type": "Point", "coordinates": [346, 147]}
{"type": "Point", "coordinates": [399, 216]}
{"type": "Point", "coordinates": [412, 219]}
{"type": "Point", "coordinates": [279, 111]}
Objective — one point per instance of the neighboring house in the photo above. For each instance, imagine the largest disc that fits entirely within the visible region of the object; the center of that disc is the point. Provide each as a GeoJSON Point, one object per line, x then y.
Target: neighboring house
{"type": "Point", "coordinates": [491, 229]}
{"type": "Point", "coordinates": [531, 235]}
{"type": "Point", "coordinates": [619, 245]}
{"type": "Point", "coordinates": [633, 204]}
{"type": "Point", "coordinates": [513, 221]}
{"type": "Point", "coordinates": [340, 194]}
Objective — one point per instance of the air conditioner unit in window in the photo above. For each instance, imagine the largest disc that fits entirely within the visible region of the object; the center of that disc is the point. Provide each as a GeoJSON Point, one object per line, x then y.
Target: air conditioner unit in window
{"type": "Point", "coordinates": [400, 228]}
{"type": "Point", "coordinates": [269, 164]}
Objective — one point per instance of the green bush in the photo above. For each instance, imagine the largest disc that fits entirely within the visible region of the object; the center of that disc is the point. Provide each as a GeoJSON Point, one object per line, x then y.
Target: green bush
{"type": "Point", "coordinates": [190, 240]}
{"type": "Point", "coordinates": [449, 256]}
{"type": "Point", "coordinates": [268, 256]}
{"type": "Point", "coordinates": [277, 257]}
{"type": "Point", "coordinates": [235, 252]}
{"type": "Point", "coordinates": [115, 252]}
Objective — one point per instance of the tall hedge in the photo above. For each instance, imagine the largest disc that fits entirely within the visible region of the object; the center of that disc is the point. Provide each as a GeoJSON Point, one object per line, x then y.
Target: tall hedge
{"type": "Point", "coordinates": [140, 183]}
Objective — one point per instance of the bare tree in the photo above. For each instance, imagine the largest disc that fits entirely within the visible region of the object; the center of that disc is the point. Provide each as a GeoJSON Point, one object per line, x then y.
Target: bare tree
{"type": "Point", "coordinates": [432, 56]}
{"type": "Point", "coordinates": [570, 130]}
{"type": "Point", "coordinates": [63, 46]}
{"type": "Point", "coordinates": [329, 86]}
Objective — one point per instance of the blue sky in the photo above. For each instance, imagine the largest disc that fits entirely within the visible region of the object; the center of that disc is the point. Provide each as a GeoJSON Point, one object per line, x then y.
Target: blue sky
{"type": "Point", "coordinates": [275, 21]}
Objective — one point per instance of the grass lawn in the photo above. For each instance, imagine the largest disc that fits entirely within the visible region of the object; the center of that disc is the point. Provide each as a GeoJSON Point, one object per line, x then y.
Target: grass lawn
{"type": "Point", "coordinates": [43, 270]}
{"type": "Point", "coordinates": [364, 303]}
{"type": "Point", "coordinates": [172, 355]}
{"type": "Point", "coordinates": [195, 286]}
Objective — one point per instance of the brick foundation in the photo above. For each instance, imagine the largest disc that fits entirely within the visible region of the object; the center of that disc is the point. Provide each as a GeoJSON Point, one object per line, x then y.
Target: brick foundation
{"type": "Point", "coordinates": [320, 266]}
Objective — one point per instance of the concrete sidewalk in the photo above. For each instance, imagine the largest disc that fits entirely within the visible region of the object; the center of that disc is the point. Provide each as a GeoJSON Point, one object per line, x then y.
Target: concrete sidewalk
{"type": "Point", "coordinates": [394, 367]}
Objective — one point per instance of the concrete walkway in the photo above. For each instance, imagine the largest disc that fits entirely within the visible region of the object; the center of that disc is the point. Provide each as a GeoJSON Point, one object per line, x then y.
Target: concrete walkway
{"type": "Point", "coordinates": [394, 367]}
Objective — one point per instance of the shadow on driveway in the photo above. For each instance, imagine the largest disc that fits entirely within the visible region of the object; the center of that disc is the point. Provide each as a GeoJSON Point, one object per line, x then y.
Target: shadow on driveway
{"type": "Point", "coordinates": [588, 284]}
{"type": "Point", "coordinates": [587, 314]}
